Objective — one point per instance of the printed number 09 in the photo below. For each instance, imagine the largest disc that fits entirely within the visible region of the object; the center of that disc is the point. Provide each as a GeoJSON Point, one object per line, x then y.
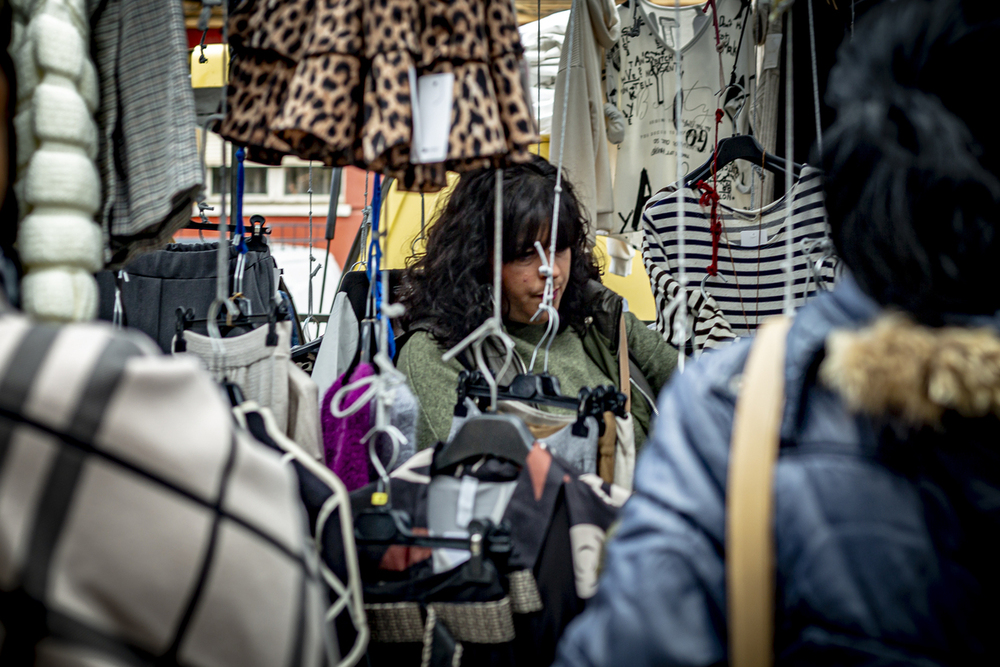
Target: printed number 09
{"type": "Point", "coordinates": [697, 138]}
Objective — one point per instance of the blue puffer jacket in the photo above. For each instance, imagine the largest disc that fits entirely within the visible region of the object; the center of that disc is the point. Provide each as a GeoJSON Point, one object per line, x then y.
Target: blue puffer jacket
{"type": "Point", "coordinates": [884, 534]}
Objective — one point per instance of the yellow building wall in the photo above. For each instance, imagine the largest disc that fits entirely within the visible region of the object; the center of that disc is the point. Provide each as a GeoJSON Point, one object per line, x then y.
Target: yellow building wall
{"type": "Point", "coordinates": [404, 229]}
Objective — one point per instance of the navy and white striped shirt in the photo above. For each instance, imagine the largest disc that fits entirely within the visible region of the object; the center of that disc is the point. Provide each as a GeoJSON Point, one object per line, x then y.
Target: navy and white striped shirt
{"type": "Point", "coordinates": [751, 282]}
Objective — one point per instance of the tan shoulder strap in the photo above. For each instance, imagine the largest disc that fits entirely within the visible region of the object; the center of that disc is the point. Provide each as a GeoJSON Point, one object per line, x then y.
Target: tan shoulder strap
{"type": "Point", "coordinates": [750, 587]}
{"type": "Point", "coordinates": [608, 443]}
{"type": "Point", "coordinates": [623, 372]}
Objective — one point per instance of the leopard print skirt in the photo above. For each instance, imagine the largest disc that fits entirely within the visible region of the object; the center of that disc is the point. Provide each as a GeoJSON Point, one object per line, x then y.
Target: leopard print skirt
{"type": "Point", "coordinates": [333, 84]}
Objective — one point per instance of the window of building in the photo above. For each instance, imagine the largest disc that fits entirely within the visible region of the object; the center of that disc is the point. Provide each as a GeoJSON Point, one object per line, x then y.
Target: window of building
{"type": "Point", "coordinates": [297, 181]}
{"type": "Point", "coordinates": [255, 180]}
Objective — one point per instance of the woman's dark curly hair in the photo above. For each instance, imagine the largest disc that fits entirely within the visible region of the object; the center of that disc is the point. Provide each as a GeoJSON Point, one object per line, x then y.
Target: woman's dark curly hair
{"type": "Point", "coordinates": [448, 288]}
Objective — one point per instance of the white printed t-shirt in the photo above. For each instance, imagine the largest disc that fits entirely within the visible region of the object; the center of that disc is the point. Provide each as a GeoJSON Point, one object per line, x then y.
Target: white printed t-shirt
{"type": "Point", "coordinates": [641, 81]}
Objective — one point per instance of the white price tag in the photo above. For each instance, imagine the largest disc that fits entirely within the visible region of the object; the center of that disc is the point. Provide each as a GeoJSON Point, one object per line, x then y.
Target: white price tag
{"type": "Point", "coordinates": [431, 102]}
{"type": "Point", "coordinates": [753, 238]}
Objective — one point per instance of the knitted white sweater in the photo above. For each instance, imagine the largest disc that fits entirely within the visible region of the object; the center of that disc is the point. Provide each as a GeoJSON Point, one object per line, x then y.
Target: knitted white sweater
{"type": "Point", "coordinates": [57, 182]}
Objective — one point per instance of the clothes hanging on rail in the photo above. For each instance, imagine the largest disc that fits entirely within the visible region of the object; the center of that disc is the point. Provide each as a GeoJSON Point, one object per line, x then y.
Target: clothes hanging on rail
{"type": "Point", "coordinates": [577, 361]}
{"type": "Point", "coordinates": [318, 488]}
{"type": "Point", "coordinates": [708, 325]}
{"type": "Point", "coordinates": [343, 450]}
{"type": "Point", "coordinates": [555, 431]}
{"type": "Point", "coordinates": [342, 336]}
{"type": "Point", "coordinates": [641, 81]}
{"type": "Point", "coordinates": [150, 170]}
{"type": "Point", "coordinates": [542, 58]}
{"type": "Point", "coordinates": [331, 82]}
{"type": "Point", "coordinates": [140, 525]}
{"type": "Point", "coordinates": [304, 427]}
{"type": "Point", "coordinates": [596, 27]}
{"type": "Point", "coordinates": [750, 254]}
{"type": "Point", "coordinates": [339, 345]}
{"type": "Point", "coordinates": [266, 375]}
{"type": "Point", "coordinates": [182, 275]}
{"type": "Point", "coordinates": [558, 520]}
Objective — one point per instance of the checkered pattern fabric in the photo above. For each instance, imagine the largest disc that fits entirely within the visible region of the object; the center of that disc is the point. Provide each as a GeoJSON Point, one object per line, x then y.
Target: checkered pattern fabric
{"type": "Point", "coordinates": [138, 525]}
{"type": "Point", "coordinates": [148, 148]}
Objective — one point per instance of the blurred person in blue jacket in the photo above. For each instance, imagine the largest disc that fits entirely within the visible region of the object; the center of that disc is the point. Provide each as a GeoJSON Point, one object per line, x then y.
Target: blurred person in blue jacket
{"type": "Point", "coordinates": [887, 487]}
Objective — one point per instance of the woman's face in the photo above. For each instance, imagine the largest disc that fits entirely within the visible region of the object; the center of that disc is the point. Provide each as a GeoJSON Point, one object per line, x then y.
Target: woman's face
{"type": "Point", "coordinates": [524, 285]}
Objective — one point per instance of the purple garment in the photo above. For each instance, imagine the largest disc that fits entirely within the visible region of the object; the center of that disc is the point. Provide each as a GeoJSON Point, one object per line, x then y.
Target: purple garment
{"type": "Point", "coordinates": [343, 451]}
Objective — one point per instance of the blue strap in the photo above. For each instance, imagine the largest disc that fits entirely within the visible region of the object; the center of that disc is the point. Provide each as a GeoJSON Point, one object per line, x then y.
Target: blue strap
{"type": "Point", "coordinates": [374, 248]}
{"type": "Point", "coordinates": [240, 183]}
{"type": "Point", "coordinates": [375, 259]}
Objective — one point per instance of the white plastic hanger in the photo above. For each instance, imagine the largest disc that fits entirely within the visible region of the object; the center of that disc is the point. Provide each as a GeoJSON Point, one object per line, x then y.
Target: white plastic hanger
{"type": "Point", "coordinates": [346, 594]}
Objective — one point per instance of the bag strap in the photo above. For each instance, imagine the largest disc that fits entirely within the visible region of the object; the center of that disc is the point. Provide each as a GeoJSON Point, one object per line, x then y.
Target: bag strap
{"type": "Point", "coordinates": [750, 587]}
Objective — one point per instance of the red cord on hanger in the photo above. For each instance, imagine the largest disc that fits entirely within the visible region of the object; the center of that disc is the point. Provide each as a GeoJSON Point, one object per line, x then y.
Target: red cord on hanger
{"type": "Point", "coordinates": [709, 197]}
{"type": "Point", "coordinates": [710, 193]}
{"type": "Point", "coordinates": [715, 20]}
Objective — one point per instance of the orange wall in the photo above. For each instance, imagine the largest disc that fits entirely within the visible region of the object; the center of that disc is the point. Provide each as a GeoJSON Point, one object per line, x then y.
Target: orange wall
{"type": "Point", "coordinates": [295, 229]}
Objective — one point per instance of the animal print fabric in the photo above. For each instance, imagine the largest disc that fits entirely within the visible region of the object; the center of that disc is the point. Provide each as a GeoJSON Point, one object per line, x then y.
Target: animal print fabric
{"type": "Point", "coordinates": [328, 80]}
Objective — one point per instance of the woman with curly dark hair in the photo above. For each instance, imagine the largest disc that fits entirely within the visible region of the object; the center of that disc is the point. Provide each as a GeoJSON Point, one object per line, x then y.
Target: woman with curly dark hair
{"type": "Point", "coordinates": [447, 294]}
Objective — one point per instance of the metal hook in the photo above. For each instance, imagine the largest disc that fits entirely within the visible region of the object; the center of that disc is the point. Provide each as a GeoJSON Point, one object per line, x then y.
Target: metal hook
{"type": "Point", "coordinates": [491, 380]}
{"type": "Point", "coordinates": [743, 104]}
{"type": "Point", "coordinates": [492, 327]}
{"type": "Point", "coordinates": [488, 329]}
{"type": "Point", "coordinates": [704, 293]}
{"type": "Point", "coordinates": [552, 324]}
{"type": "Point", "coordinates": [118, 316]}
{"type": "Point", "coordinates": [551, 331]}
{"type": "Point", "coordinates": [826, 247]}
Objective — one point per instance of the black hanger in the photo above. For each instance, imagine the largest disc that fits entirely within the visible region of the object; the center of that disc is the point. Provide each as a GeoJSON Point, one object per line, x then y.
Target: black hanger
{"type": "Point", "coordinates": [254, 242]}
{"type": "Point", "coordinates": [186, 320]}
{"type": "Point", "coordinates": [536, 388]}
{"type": "Point", "coordinates": [205, 225]}
{"type": "Point", "coordinates": [387, 527]}
{"type": "Point", "coordinates": [383, 526]}
{"type": "Point", "coordinates": [258, 231]}
{"type": "Point", "coordinates": [503, 436]}
{"type": "Point", "coordinates": [742, 147]}
{"type": "Point", "coordinates": [300, 353]}
{"type": "Point", "coordinates": [594, 402]}
{"type": "Point", "coordinates": [525, 388]}
{"type": "Point", "coordinates": [367, 340]}
{"type": "Point", "coordinates": [542, 390]}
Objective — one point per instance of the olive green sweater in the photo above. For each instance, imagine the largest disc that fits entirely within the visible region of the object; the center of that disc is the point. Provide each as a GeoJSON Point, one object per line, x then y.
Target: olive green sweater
{"type": "Point", "coordinates": [434, 382]}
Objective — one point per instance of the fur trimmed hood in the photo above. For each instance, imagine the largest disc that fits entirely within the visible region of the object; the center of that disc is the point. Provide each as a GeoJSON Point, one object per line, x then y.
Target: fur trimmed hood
{"type": "Point", "coordinates": [897, 368]}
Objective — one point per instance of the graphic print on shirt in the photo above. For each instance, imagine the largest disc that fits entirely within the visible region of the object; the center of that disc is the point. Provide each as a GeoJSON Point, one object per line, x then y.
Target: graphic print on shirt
{"type": "Point", "coordinates": [641, 81]}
